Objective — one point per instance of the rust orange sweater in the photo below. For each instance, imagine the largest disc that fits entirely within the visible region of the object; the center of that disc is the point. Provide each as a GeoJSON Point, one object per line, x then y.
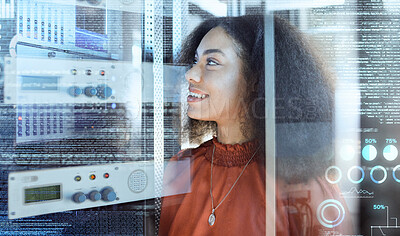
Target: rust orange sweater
{"type": "Point", "coordinates": [244, 210]}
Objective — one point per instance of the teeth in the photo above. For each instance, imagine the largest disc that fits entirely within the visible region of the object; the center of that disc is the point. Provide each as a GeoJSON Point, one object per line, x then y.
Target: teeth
{"type": "Point", "coordinates": [197, 95]}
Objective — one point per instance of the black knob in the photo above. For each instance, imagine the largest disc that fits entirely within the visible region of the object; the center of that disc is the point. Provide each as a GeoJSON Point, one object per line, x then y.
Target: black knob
{"type": "Point", "coordinates": [104, 92]}
{"type": "Point", "coordinates": [79, 197]}
{"type": "Point", "coordinates": [90, 91]}
{"type": "Point", "coordinates": [94, 195]}
{"type": "Point", "coordinates": [74, 91]}
{"type": "Point", "coordinates": [108, 194]}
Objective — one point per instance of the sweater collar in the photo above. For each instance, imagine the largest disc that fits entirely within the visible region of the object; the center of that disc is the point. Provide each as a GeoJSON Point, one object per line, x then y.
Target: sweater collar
{"type": "Point", "coordinates": [231, 154]}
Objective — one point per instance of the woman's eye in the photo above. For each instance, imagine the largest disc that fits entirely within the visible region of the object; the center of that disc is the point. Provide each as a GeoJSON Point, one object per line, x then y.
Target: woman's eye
{"type": "Point", "coordinates": [212, 62]}
{"type": "Point", "coordinates": [194, 61]}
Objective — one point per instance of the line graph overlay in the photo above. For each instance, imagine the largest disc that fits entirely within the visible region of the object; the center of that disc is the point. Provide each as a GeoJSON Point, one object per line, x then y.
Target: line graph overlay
{"type": "Point", "coordinates": [357, 193]}
{"type": "Point", "coordinates": [391, 227]}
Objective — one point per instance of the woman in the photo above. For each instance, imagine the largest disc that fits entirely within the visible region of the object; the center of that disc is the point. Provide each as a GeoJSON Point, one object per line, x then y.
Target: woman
{"type": "Point", "coordinates": [226, 91]}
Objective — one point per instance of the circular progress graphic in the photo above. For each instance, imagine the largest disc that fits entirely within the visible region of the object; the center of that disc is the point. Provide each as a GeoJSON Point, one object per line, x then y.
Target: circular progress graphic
{"type": "Point", "coordinates": [351, 179]}
{"type": "Point", "coordinates": [338, 176]}
{"type": "Point", "coordinates": [324, 213]}
{"type": "Point", "coordinates": [371, 174]}
{"type": "Point", "coordinates": [356, 174]}
{"type": "Point", "coordinates": [394, 173]}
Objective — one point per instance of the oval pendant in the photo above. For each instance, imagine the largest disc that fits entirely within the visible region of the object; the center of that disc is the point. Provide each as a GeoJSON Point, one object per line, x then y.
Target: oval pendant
{"type": "Point", "coordinates": [211, 219]}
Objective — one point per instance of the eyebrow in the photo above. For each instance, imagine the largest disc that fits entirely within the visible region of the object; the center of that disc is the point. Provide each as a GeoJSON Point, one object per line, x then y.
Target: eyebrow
{"type": "Point", "coordinates": [209, 51]}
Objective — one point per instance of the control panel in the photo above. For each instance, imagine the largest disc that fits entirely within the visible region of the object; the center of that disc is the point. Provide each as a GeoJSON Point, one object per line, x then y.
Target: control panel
{"type": "Point", "coordinates": [43, 121]}
{"type": "Point", "coordinates": [77, 28]}
{"type": "Point", "coordinates": [39, 192]}
{"type": "Point", "coordinates": [46, 23]}
{"type": "Point", "coordinates": [30, 81]}
{"type": "Point", "coordinates": [118, 5]}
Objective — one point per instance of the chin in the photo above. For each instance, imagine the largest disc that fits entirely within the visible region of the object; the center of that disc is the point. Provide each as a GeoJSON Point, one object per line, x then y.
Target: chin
{"type": "Point", "coordinates": [198, 114]}
{"type": "Point", "coordinates": [191, 113]}
{"type": "Point", "coordinates": [195, 116]}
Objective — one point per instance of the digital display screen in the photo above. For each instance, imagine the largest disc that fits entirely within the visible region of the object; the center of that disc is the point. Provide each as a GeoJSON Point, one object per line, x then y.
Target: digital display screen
{"type": "Point", "coordinates": [39, 83]}
{"type": "Point", "coordinates": [42, 194]}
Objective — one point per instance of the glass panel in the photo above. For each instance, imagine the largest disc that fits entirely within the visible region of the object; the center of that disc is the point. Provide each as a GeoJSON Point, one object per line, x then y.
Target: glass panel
{"type": "Point", "coordinates": [334, 175]}
{"type": "Point", "coordinates": [317, 103]}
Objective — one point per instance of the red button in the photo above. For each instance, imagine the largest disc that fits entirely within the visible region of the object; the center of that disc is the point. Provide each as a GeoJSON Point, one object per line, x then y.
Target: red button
{"type": "Point", "coordinates": [92, 176]}
{"type": "Point", "coordinates": [106, 175]}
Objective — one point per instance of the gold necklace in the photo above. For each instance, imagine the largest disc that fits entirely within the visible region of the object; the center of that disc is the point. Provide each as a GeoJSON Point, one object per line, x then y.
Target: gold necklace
{"type": "Point", "coordinates": [212, 218]}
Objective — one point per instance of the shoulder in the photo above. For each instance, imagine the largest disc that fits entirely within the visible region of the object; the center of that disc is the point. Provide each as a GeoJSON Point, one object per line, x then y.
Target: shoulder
{"type": "Point", "coordinates": [180, 170]}
{"type": "Point", "coordinates": [193, 152]}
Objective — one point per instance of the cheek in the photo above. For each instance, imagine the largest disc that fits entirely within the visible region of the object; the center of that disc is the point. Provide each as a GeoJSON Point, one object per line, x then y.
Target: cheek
{"type": "Point", "coordinates": [225, 82]}
{"type": "Point", "coordinates": [235, 86]}
{"type": "Point", "coordinates": [228, 94]}
{"type": "Point", "coordinates": [237, 95]}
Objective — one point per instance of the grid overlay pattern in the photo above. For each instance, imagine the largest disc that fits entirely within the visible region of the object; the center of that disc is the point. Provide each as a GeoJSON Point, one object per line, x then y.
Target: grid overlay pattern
{"type": "Point", "coordinates": [158, 106]}
{"type": "Point", "coordinates": [180, 10]}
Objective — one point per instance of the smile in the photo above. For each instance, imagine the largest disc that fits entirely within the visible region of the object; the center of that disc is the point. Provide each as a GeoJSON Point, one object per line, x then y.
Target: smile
{"type": "Point", "coordinates": [196, 95]}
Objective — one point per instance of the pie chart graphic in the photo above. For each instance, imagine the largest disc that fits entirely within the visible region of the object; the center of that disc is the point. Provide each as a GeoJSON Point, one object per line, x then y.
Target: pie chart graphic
{"type": "Point", "coordinates": [369, 152]}
{"type": "Point", "coordinates": [390, 152]}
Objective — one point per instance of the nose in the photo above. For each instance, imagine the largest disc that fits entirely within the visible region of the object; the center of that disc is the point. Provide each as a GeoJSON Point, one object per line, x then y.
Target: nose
{"type": "Point", "coordinates": [193, 75]}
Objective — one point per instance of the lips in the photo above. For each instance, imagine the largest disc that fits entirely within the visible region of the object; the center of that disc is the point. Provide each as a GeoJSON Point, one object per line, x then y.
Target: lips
{"type": "Point", "coordinates": [196, 95]}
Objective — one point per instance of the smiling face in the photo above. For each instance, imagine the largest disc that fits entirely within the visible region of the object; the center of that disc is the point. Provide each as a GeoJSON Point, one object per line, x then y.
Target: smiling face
{"type": "Point", "coordinates": [215, 80]}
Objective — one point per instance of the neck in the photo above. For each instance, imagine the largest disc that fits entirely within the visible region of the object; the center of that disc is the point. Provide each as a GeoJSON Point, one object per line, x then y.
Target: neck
{"type": "Point", "coordinates": [230, 133]}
